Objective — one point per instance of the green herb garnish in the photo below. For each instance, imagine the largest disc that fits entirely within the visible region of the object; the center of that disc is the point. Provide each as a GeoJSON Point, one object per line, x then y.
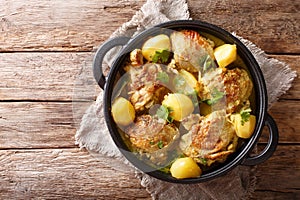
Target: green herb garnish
{"type": "Point", "coordinates": [163, 77]}
{"type": "Point", "coordinates": [193, 94]}
{"type": "Point", "coordinates": [203, 161]}
{"type": "Point", "coordinates": [206, 63]}
{"type": "Point", "coordinates": [202, 60]}
{"type": "Point", "coordinates": [179, 81]}
{"type": "Point", "coordinates": [164, 113]}
{"type": "Point", "coordinates": [216, 96]}
{"type": "Point", "coordinates": [170, 119]}
{"type": "Point", "coordinates": [160, 144]}
{"type": "Point", "coordinates": [161, 56]}
{"type": "Point", "coordinates": [245, 115]}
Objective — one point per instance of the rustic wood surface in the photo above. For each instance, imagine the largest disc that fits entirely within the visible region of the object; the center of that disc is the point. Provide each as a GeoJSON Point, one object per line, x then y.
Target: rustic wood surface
{"type": "Point", "coordinates": [46, 50]}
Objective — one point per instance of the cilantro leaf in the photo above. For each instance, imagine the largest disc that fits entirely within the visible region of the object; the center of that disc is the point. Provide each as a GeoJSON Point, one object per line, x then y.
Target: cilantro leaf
{"type": "Point", "coordinates": [245, 115]}
{"type": "Point", "coordinates": [160, 144]}
{"type": "Point", "coordinates": [216, 96]}
{"type": "Point", "coordinates": [179, 81]}
{"type": "Point", "coordinates": [161, 56]}
{"type": "Point", "coordinates": [170, 119]}
{"type": "Point", "coordinates": [202, 60]}
{"type": "Point", "coordinates": [203, 161]}
{"type": "Point", "coordinates": [163, 77]}
{"type": "Point", "coordinates": [193, 94]}
{"type": "Point", "coordinates": [206, 63]}
{"type": "Point", "coordinates": [164, 113]}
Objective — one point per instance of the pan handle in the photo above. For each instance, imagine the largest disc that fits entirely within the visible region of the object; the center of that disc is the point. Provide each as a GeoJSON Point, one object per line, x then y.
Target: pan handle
{"type": "Point", "coordinates": [99, 56]}
{"type": "Point", "coordinates": [271, 146]}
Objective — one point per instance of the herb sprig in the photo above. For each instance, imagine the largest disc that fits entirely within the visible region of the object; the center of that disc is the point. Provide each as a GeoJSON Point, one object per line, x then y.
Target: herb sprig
{"type": "Point", "coordinates": [206, 62]}
{"type": "Point", "coordinates": [203, 161]}
{"type": "Point", "coordinates": [216, 96]}
{"type": "Point", "coordinates": [245, 115]}
{"type": "Point", "coordinates": [164, 113]}
{"type": "Point", "coordinates": [163, 77]}
{"type": "Point", "coordinates": [161, 56]}
{"type": "Point", "coordinates": [160, 144]}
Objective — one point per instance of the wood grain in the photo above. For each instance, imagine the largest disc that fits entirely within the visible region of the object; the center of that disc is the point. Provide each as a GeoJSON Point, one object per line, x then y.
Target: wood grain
{"type": "Point", "coordinates": [285, 113]}
{"type": "Point", "coordinates": [53, 124]}
{"type": "Point", "coordinates": [271, 25]}
{"type": "Point", "coordinates": [63, 76]}
{"type": "Point", "coordinates": [293, 62]}
{"type": "Point", "coordinates": [71, 173]}
{"type": "Point", "coordinates": [47, 76]}
{"type": "Point", "coordinates": [82, 25]}
{"type": "Point", "coordinates": [46, 52]}
{"type": "Point", "coordinates": [278, 177]}
{"type": "Point", "coordinates": [64, 173]}
{"type": "Point", "coordinates": [60, 25]}
{"type": "Point", "coordinates": [36, 125]}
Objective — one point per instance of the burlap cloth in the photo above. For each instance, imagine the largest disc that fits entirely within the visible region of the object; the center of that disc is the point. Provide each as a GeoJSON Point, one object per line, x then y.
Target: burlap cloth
{"type": "Point", "coordinates": [93, 134]}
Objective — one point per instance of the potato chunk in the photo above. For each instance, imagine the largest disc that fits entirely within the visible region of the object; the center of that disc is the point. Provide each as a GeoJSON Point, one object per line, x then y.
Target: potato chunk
{"type": "Point", "coordinates": [245, 129]}
{"type": "Point", "coordinates": [225, 54]}
{"type": "Point", "coordinates": [123, 111]}
{"type": "Point", "coordinates": [180, 105]}
{"type": "Point", "coordinates": [185, 168]}
{"type": "Point", "coordinates": [156, 43]}
{"type": "Point", "coordinates": [190, 79]}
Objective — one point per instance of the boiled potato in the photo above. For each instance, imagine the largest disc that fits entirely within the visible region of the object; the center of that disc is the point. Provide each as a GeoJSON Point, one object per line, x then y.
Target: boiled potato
{"type": "Point", "coordinates": [225, 54]}
{"type": "Point", "coordinates": [123, 111]}
{"type": "Point", "coordinates": [185, 168]}
{"type": "Point", "coordinates": [179, 104]}
{"type": "Point", "coordinates": [156, 43]}
{"type": "Point", "coordinates": [244, 130]}
{"type": "Point", "coordinates": [190, 79]}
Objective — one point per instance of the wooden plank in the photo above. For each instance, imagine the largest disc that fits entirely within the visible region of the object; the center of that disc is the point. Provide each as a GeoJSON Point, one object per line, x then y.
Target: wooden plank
{"type": "Point", "coordinates": [278, 177]}
{"type": "Point", "coordinates": [82, 25]}
{"type": "Point", "coordinates": [285, 114]}
{"type": "Point", "coordinates": [64, 173]}
{"type": "Point", "coordinates": [53, 124]}
{"type": "Point", "coordinates": [293, 61]}
{"type": "Point", "coordinates": [47, 76]}
{"type": "Point", "coordinates": [61, 25]}
{"type": "Point", "coordinates": [271, 25]}
{"type": "Point", "coordinates": [64, 76]}
{"type": "Point", "coordinates": [274, 195]}
{"type": "Point", "coordinates": [71, 173]}
{"type": "Point", "coordinates": [36, 125]}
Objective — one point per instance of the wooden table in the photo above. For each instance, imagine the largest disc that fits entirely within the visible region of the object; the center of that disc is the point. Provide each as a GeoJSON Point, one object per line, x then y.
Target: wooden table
{"type": "Point", "coordinates": [44, 44]}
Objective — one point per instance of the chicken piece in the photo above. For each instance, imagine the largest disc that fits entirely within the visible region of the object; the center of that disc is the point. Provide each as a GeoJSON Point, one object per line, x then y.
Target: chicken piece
{"type": "Point", "coordinates": [235, 84]}
{"type": "Point", "coordinates": [145, 75]}
{"type": "Point", "coordinates": [210, 140]}
{"type": "Point", "coordinates": [136, 58]}
{"type": "Point", "coordinates": [238, 88]}
{"type": "Point", "coordinates": [211, 81]}
{"type": "Point", "coordinates": [191, 120]}
{"type": "Point", "coordinates": [149, 134]}
{"type": "Point", "coordinates": [145, 88]}
{"type": "Point", "coordinates": [189, 47]}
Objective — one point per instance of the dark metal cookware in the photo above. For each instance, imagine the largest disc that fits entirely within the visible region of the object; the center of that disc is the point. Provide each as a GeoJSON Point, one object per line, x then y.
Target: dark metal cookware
{"type": "Point", "coordinates": [242, 155]}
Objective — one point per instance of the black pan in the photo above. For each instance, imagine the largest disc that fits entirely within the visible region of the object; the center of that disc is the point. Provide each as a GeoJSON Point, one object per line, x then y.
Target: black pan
{"type": "Point", "coordinates": [242, 155]}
